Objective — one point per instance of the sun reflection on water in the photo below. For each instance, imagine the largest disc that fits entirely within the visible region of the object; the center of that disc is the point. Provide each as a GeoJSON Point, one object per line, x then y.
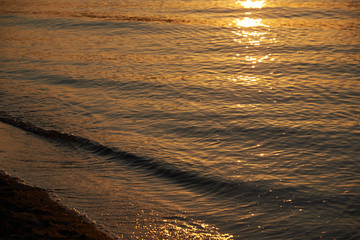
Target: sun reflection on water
{"type": "Point", "coordinates": [251, 4]}
{"type": "Point", "coordinates": [245, 80]}
{"type": "Point", "coordinates": [248, 22]}
{"type": "Point", "coordinates": [253, 36]}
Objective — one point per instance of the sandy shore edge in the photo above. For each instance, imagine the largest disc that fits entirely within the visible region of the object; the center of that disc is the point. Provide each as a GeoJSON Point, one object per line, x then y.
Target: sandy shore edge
{"type": "Point", "coordinates": [29, 213]}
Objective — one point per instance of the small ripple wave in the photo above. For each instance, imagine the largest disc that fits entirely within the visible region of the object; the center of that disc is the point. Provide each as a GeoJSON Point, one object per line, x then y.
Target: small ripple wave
{"type": "Point", "coordinates": [206, 184]}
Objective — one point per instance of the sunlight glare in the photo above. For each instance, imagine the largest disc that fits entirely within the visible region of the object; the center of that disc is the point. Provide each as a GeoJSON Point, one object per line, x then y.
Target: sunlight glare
{"type": "Point", "coordinates": [248, 22]}
{"type": "Point", "coordinates": [251, 4]}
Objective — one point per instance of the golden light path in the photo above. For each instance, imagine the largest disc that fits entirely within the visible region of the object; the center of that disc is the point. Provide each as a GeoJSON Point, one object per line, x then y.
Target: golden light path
{"type": "Point", "coordinates": [249, 22]}
{"type": "Point", "coordinates": [252, 33]}
{"type": "Point", "coordinates": [251, 4]}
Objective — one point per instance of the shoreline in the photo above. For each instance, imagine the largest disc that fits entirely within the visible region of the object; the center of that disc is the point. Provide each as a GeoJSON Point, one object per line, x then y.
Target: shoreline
{"type": "Point", "coordinates": [29, 213]}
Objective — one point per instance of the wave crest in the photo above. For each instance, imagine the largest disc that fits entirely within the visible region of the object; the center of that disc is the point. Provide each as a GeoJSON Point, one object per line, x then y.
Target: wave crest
{"type": "Point", "coordinates": [190, 179]}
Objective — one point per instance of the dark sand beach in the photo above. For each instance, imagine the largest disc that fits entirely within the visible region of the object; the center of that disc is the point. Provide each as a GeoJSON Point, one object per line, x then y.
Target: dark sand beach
{"type": "Point", "coordinates": [29, 213]}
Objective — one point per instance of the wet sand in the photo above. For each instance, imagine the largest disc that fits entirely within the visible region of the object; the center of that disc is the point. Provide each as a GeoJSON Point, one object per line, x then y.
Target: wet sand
{"type": "Point", "coordinates": [29, 213]}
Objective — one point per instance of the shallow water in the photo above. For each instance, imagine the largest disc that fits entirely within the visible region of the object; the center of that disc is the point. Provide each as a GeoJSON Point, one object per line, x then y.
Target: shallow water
{"type": "Point", "coordinates": [233, 119]}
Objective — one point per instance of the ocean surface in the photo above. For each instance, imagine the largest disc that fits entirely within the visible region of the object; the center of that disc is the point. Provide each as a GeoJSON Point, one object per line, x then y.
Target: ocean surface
{"type": "Point", "coordinates": [187, 119]}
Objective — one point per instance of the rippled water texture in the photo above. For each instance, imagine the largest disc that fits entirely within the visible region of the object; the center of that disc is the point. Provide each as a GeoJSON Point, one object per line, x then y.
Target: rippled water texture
{"type": "Point", "coordinates": [216, 119]}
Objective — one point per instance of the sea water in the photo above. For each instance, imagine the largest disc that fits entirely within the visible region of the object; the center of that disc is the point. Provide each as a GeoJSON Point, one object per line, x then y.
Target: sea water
{"type": "Point", "coordinates": [188, 119]}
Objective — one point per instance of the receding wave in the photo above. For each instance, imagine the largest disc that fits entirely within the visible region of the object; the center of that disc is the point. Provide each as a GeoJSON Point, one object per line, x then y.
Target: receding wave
{"type": "Point", "coordinates": [191, 179]}
{"type": "Point", "coordinates": [138, 18]}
